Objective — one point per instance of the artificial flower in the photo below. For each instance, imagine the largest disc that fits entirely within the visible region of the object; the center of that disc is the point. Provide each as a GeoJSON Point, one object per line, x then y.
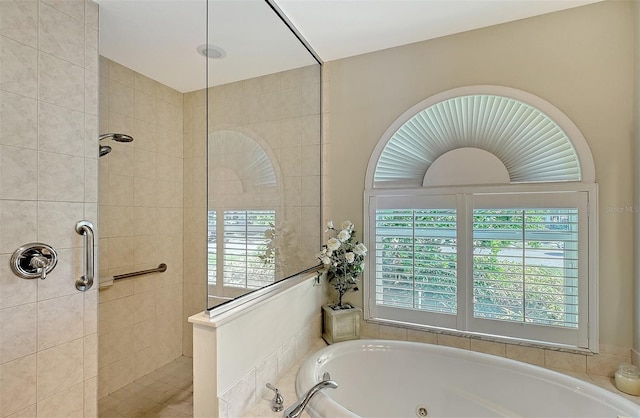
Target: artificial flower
{"type": "Point", "coordinates": [342, 258]}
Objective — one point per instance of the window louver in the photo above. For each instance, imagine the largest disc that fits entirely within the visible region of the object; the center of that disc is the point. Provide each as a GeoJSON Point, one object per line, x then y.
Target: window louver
{"type": "Point", "coordinates": [532, 147]}
{"type": "Point", "coordinates": [212, 248]}
{"type": "Point", "coordinates": [244, 243]}
{"type": "Point", "coordinates": [416, 259]}
{"type": "Point", "coordinates": [525, 264]}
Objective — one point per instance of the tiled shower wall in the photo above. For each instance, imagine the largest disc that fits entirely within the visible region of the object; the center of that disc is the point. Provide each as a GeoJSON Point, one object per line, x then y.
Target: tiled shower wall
{"type": "Point", "coordinates": [141, 216]}
{"type": "Point", "coordinates": [48, 182]}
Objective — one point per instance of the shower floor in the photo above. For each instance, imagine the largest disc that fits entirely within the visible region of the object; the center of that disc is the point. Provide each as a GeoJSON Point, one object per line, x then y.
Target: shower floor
{"type": "Point", "coordinates": [165, 392]}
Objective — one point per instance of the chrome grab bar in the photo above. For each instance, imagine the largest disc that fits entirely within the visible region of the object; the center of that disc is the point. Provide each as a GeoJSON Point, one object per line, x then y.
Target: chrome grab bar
{"type": "Point", "coordinates": [85, 282]}
{"type": "Point", "coordinates": [160, 269]}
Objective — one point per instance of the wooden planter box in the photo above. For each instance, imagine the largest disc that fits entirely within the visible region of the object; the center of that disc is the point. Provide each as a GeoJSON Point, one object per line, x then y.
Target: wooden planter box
{"type": "Point", "coordinates": [340, 324]}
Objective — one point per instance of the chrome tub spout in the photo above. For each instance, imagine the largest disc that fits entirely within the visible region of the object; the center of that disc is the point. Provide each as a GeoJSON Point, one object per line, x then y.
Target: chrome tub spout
{"type": "Point", "coordinates": [295, 410]}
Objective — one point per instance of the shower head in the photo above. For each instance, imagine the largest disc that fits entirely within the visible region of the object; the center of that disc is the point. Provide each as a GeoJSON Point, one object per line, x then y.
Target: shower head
{"type": "Point", "coordinates": [116, 137]}
{"type": "Point", "coordinates": [104, 150]}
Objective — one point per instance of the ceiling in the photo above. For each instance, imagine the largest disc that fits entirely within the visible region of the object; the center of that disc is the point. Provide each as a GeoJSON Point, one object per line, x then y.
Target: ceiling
{"type": "Point", "coordinates": [159, 38]}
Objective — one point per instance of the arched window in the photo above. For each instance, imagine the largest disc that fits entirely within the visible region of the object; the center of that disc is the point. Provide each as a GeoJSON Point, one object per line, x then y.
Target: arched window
{"type": "Point", "coordinates": [243, 203]}
{"type": "Point", "coordinates": [478, 211]}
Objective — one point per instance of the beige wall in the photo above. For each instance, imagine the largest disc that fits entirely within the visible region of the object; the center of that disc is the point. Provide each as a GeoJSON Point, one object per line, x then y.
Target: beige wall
{"type": "Point", "coordinates": [141, 215]}
{"type": "Point", "coordinates": [580, 60]}
{"type": "Point", "coordinates": [48, 182]}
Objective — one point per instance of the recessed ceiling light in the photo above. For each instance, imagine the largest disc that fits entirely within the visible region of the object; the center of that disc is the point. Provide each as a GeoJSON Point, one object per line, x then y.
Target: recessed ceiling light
{"type": "Point", "coordinates": [211, 51]}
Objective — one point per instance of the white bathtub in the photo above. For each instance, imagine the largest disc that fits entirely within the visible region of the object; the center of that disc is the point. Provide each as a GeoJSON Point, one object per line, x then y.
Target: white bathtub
{"type": "Point", "coordinates": [380, 378]}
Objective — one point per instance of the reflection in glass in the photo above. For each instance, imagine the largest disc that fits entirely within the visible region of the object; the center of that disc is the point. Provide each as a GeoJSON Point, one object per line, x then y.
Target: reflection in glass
{"type": "Point", "coordinates": [262, 125]}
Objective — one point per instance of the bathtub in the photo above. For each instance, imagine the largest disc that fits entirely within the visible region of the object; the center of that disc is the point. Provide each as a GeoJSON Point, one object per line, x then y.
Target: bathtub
{"type": "Point", "coordinates": [381, 378]}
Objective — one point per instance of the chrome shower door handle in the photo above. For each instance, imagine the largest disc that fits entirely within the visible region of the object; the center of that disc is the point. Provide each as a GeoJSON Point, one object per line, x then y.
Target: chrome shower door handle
{"type": "Point", "coordinates": [85, 282]}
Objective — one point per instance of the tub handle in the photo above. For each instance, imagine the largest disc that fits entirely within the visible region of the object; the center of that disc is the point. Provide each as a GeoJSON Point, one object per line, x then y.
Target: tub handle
{"type": "Point", "coordinates": [277, 403]}
{"type": "Point", "coordinates": [85, 282]}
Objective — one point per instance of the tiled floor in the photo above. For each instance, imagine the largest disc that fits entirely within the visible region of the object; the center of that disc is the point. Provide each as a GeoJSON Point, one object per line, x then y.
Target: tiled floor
{"type": "Point", "coordinates": [166, 392]}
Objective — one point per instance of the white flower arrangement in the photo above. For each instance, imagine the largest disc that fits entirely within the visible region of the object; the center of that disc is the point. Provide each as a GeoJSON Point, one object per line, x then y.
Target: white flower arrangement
{"type": "Point", "coordinates": [343, 259]}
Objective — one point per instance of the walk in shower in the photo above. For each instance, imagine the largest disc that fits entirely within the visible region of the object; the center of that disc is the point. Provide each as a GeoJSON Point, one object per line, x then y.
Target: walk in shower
{"type": "Point", "coordinates": [222, 181]}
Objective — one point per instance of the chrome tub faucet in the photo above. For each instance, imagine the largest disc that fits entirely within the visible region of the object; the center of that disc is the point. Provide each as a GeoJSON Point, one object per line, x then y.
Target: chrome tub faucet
{"type": "Point", "coordinates": [295, 410]}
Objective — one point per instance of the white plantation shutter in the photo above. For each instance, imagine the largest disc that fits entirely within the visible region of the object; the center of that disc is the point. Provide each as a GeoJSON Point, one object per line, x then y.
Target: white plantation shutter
{"type": "Point", "coordinates": [244, 243]}
{"type": "Point", "coordinates": [212, 248]}
{"type": "Point", "coordinates": [416, 260]}
{"type": "Point", "coordinates": [500, 263]}
{"type": "Point", "coordinates": [530, 144]}
{"type": "Point", "coordinates": [525, 265]}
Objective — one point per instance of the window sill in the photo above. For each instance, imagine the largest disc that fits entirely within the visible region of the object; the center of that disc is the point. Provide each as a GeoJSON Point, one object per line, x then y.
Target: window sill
{"type": "Point", "coordinates": [477, 336]}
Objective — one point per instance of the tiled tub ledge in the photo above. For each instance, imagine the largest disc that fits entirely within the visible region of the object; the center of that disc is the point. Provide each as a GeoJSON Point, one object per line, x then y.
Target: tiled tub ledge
{"type": "Point", "coordinates": [286, 384]}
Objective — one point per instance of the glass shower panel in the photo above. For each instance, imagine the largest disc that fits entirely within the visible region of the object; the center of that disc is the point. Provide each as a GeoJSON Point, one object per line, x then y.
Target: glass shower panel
{"type": "Point", "coordinates": [262, 148]}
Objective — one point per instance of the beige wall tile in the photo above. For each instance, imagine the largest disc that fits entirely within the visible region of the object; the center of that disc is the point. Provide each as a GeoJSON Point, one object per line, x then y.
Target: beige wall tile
{"type": "Point", "coordinates": [115, 314]}
{"type": "Point", "coordinates": [121, 252]}
{"type": "Point", "coordinates": [18, 330]}
{"type": "Point", "coordinates": [488, 347]}
{"type": "Point", "coordinates": [369, 330]}
{"type": "Point", "coordinates": [145, 107]}
{"type": "Point", "coordinates": [60, 35]}
{"type": "Point", "coordinates": [90, 348]}
{"type": "Point", "coordinates": [60, 177]}
{"type": "Point", "coordinates": [60, 82]}
{"type": "Point", "coordinates": [143, 333]}
{"type": "Point", "coordinates": [169, 95]}
{"type": "Point", "coordinates": [19, 118]}
{"type": "Point", "coordinates": [145, 84]}
{"type": "Point", "coordinates": [59, 368]}
{"type": "Point", "coordinates": [91, 92]}
{"type": "Point", "coordinates": [121, 190]}
{"type": "Point", "coordinates": [121, 98]}
{"type": "Point", "coordinates": [91, 311]}
{"type": "Point", "coordinates": [61, 281]}
{"type": "Point", "coordinates": [392, 333]}
{"type": "Point", "coordinates": [67, 403]}
{"type": "Point", "coordinates": [145, 135]}
{"type": "Point", "coordinates": [91, 49]}
{"type": "Point", "coordinates": [121, 74]}
{"type": "Point", "coordinates": [119, 122]}
{"type": "Point", "coordinates": [91, 185]}
{"type": "Point", "coordinates": [119, 289]}
{"type": "Point", "coordinates": [605, 364]}
{"type": "Point", "coordinates": [61, 130]}
{"type": "Point", "coordinates": [120, 221]}
{"type": "Point", "coordinates": [72, 8]}
{"type": "Point", "coordinates": [14, 290]}
{"type": "Point", "coordinates": [422, 336]}
{"type": "Point", "coordinates": [454, 341]}
{"type": "Point", "coordinates": [525, 354]}
{"type": "Point", "coordinates": [18, 169]}
{"type": "Point", "coordinates": [144, 361]}
{"type": "Point", "coordinates": [29, 412]}
{"type": "Point", "coordinates": [18, 224]}
{"type": "Point", "coordinates": [90, 398]}
{"type": "Point", "coordinates": [19, 68]}
{"type": "Point", "coordinates": [19, 21]}
{"type": "Point", "coordinates": [58, 320]}
{"type": "Point", "coordinates": [565, 361]}
{"type": "Point", "coordinates": [121, 159]}
{"type": "Point", "coordinates": [145, 192]}
{"type": "Point", "coordinates": [56, 222]}
{"type": "Point", "coordinates": [18, 384]}
{"type": "Point", "coordinates": [144, 306]}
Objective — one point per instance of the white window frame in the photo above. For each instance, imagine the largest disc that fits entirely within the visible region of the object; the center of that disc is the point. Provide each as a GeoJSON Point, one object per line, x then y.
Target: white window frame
{"type": "Point", "coordinates": [585, 338]}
